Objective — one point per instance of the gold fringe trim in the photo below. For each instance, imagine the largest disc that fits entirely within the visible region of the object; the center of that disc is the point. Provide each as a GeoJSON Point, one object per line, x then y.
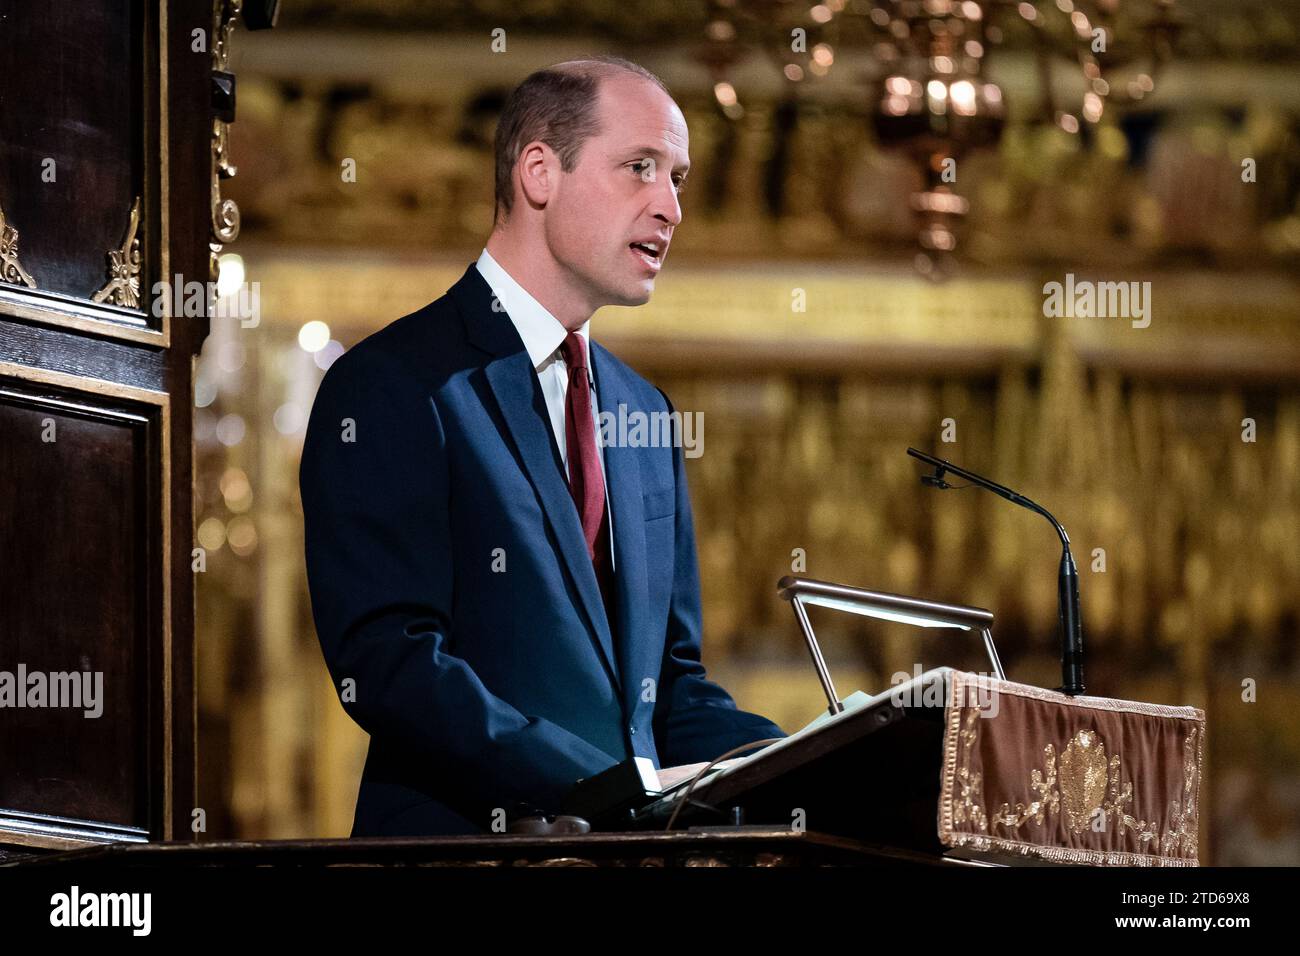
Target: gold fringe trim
{"type": "Point", "coordinates": [1062, 854]}
{"type": "Point", "coordinates": [964, 679]}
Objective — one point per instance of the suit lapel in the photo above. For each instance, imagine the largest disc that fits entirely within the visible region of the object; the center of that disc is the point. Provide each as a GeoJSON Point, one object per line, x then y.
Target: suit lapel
{"type": "Point", "coordinates": [638, 653]}
{"type": "Point", "coordinates": [513, 381]}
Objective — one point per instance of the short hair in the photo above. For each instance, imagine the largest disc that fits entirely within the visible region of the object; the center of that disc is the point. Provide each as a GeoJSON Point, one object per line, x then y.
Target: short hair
{"type": "Point", "coordinates": [557, 106]}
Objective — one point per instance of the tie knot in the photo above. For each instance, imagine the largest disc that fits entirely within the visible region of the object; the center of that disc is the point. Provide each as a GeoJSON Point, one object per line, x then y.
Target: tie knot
{"type": "Point", "coordinates": [575, 351]}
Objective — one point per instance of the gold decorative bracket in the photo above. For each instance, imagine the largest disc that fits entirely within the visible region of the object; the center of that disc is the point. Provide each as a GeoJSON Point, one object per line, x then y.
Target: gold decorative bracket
{"type": "Point", "coordinates": [123, 286]}
{"type": "Point", "coordinates": [225, 213]}
{"type": "Point", "coordinates": [11, 270]}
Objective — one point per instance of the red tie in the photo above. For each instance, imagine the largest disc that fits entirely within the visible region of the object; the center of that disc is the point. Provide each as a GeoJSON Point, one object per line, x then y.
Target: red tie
{"type": "Point", "coordinates": [585, 481]}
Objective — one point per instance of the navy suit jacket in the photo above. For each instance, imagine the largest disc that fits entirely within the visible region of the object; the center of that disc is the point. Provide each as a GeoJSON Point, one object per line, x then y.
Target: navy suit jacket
{"type": "Point", "coordinates": [429, 465]}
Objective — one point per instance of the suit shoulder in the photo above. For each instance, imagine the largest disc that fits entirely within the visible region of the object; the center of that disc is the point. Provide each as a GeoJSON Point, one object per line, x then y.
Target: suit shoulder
{"type": "Point", "coordinates": [409, 350]}
{"type": "Point", "coordinates": [649, 395]}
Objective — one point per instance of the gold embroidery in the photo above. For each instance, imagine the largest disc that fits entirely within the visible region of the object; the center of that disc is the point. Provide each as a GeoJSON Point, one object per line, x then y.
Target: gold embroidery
{"type": "Point", "coordinates": [1114, 807]}
{"type": "Point", "coordinates": [1090, 791]}
{"type": "Point", "coordinates": [1083, 778]}
{"type": "Point", "coordinates": [1182, 836]}
{"type": "Point", "coordinates": [1048, 797]}
{"type": "Point", "coordinates": [972, 784]}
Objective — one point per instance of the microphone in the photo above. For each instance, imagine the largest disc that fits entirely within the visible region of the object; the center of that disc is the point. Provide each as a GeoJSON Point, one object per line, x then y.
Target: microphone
{"type": "Point", "coordinates": [935, 480]}
{"type": "Point", "coordinates": [1070, 619]}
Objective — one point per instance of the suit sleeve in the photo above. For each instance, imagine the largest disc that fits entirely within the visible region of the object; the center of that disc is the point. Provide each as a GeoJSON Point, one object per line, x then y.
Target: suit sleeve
{"type": "Point", "coordinates": [380, 566]}
{"type": "Point", "coordinates": [695, 719]}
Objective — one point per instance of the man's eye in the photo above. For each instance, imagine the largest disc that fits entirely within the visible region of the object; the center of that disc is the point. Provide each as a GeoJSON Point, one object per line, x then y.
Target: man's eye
{"type": "Point", "coordinates": [645, 169]}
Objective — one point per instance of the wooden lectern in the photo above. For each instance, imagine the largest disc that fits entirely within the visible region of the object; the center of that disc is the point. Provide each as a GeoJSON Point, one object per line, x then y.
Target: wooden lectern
{"type": "Point", "coordinates": [949, 767]}
{"type": "Point", "coordinates": [962, 766]}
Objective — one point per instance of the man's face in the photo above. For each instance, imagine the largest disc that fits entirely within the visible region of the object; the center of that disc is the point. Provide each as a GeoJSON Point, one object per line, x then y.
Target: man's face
{"type": "Point", "coordinates": [621, 193]}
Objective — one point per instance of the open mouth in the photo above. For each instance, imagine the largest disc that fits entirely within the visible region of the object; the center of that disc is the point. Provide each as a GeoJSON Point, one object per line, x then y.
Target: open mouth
{"type": "Point", "coordinates": [650, 253]}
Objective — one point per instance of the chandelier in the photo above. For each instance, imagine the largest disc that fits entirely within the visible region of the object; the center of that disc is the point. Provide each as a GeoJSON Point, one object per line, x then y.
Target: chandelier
{"type": "Point", "coordinates": [929, 96]}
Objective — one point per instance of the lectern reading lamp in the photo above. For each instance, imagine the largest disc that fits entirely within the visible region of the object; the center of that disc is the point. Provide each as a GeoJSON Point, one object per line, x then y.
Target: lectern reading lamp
{"type": "Point", "coordinates": [883, 606]}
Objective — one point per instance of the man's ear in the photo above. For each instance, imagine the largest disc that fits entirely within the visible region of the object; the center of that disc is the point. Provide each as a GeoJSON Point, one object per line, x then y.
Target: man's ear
{"type": "Point", "coordinates": [537, 167]}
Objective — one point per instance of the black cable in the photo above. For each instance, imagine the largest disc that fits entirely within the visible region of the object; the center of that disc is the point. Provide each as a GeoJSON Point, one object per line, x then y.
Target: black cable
{"type": "Point", "coordinates": [686, 797]}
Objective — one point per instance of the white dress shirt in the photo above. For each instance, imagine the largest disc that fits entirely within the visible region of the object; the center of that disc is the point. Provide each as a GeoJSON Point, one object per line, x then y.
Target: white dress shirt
{"type": "Point", "coordinates": [543, 334]}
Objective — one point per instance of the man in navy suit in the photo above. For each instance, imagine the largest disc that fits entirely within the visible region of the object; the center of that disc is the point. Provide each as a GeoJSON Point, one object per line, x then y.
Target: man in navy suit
{"type": "Point", "coordinates": [505, 605]}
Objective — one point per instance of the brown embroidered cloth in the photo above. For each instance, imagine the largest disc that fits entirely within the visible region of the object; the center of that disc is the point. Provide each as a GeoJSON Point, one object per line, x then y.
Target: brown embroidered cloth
{"type": "Point", "coordinates": [1069, 779]}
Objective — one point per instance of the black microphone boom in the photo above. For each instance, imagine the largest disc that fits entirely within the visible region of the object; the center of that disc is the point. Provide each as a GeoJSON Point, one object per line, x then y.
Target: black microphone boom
{"type": "Point", "coordinates": [1067, 594]}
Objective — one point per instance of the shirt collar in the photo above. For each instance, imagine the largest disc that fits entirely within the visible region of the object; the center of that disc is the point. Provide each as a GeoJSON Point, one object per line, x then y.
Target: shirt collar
{"type": "Point", "coordinates": [542, 332]}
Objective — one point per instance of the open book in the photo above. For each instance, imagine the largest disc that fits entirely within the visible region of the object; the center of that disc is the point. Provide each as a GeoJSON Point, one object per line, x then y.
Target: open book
{"type": "Point", "coordinates": [670, 777]}
{"type": "Point", "coordinates": [673, 777]}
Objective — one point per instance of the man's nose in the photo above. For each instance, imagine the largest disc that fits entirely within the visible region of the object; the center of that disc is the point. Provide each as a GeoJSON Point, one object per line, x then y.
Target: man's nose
{"type": "Point", "coordinates": [665, 205]}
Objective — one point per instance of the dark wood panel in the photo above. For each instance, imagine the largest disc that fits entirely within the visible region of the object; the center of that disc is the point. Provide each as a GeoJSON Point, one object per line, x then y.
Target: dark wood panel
{"type": "Point", "coordinates": [100, 527]}
{"type": "Point", "coordinates": [187, 207]}
{"type": "Point", "coordinates": [73, 353]}
{"type": "Point", "coordinates": [78, 579]}
{"type": "Point", "coordinates": [72, 93]}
